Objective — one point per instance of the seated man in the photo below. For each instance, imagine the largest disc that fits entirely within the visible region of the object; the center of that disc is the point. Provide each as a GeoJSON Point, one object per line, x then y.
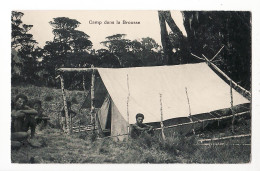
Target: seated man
{"type": "Point", "coordinates": [18, 114]}
{"type": "Point", "coordinates": [70, 112]}
{"type": "Point", "coordinates": [40, 118]}
{"type": "Point", "coordinates": [140, 128]}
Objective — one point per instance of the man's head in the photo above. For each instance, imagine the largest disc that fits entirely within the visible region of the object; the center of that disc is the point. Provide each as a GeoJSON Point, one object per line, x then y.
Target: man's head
{"type": "Point", "coordinates": [139, 118]}
{"type": "Point", "coordinates": [20, 100]}
{"type": "Point", "coordinates": [37, 105]}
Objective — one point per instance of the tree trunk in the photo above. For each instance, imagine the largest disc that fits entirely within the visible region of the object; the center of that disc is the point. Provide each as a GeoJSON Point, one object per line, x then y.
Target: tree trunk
{"type": "Point", "coordinates": [166, 43]}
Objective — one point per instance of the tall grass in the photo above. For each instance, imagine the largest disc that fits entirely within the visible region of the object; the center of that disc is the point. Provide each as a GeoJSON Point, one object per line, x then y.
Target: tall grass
{"type": "Point", "coordinates": [84, 147]}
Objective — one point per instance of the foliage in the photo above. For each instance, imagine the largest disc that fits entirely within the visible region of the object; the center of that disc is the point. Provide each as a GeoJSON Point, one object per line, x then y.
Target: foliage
{"type": "Point", "coordinates": [69, 47]}
{"type": "Point", "coordinates": [126, 53]}
{"type": "Point", "coordinates": [209, 31]}
{"type": "Point", "coordinates": [25, 54]}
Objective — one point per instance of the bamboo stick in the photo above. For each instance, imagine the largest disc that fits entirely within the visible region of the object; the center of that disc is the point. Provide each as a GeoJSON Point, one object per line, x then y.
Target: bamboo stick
{"type": "Point", "coordinates": [162, 126]}
{"type": "Point", "coordinates": [127, 106]}
{"type": "Point", "coordinates": [227, 77]}
{"type": "Point", "coordinates": [224, 138]}
{"type": "Point", "coordinates": [217, 54]}
{"type": "Point", "coordinates": [212, 119]}
{"type": "Point", "coordinates": [224, 144]}
{"type": "Point", "coordinates": [77, 69]}
{"type": "Point", "coordinates": [66, 128]}
{"type": "Point", "coordinates": [231, 106]}
{"type": "Point", "coordinates": [92, 98]}
{"type": "Point", "coordinates": [189, 110]}
{"type": "Point", "coordinates": [197, 56]}
{"type": "Point", "coordinates": [83, 84]}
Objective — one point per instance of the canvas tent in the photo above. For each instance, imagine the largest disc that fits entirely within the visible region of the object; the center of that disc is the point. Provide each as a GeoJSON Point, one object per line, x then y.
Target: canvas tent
{"type": "Point", "coordinates": [137, 90]}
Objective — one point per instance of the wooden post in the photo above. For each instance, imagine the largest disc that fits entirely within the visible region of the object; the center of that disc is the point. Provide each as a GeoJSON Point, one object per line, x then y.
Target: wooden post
{"type": "Point", "coordinates": [127, 108]}
{"type": "Point", "coordinates": [162, 126]}
{"type": "Point", "coordinates": [189, 110]}
{"type": "Point", "coordinates": [83, 84]}
{"type": "Point", "coordinates": [66, 128]}
{"type": "Point", "coordinates": [231, 103]}
{"type": "Point", "coordinates": [92, 88]}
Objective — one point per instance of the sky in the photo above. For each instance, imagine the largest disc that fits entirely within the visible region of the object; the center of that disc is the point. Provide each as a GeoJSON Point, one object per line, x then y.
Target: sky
{"type": "Point", "coordinates": [148, 27]}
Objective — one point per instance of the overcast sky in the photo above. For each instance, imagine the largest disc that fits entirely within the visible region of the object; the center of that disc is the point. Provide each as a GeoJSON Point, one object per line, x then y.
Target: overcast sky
{"type": "Point", "coordinates": [148, 27]}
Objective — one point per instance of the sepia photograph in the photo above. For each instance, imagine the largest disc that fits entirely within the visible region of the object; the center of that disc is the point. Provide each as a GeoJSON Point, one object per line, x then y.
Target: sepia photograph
{"type": "Point", "coordinates": [131, 86]}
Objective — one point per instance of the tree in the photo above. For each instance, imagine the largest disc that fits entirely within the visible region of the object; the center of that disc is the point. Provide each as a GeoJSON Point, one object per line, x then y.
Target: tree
{"type": "Point", "coordinates": [23, 50]}
{"type": "Point", "coordinates": [117, 43]}
{"type": "Point", "coordinates": [132, 53]}
{"type": "Point", "coordinates": [165, 17]}
{"type": "Point", "coordinates": [209, 31]}
{"type": "Point", "coordinates": [69, 48]}
{"type": "Point", "coordinates": [67, 43]}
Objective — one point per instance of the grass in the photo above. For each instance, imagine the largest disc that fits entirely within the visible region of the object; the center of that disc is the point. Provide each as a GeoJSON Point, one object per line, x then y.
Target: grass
{"type": "Point", "coordinates": [80, 148]}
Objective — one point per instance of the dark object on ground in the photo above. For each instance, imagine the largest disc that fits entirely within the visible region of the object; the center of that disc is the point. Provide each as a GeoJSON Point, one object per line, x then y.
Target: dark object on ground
{"type": "Point", "coordinates": [19, 136]}
{"type": "Point", "coordinates": [15, 145]}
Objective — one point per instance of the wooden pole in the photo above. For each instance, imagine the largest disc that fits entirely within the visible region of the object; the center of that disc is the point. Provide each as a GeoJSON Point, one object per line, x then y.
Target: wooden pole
{"type": "Point", "coordinates": [231, 107]}
{"type": "Point", "coordinates": [92, 98]}
{"type": "Point", "coordinates": [228, 78]}
{"type": "Point", "coordinates": [162, 126]}
{"type": "Point", "coordinates": [189, 110]}
{"type": "Point", "coordinates": [66, 127]}
{"type": "Point", "coordinates": [217, 54]}
{"type": "Point", "coordinates": [83, 84]}
{"type": "Point", "coordinates": [224, 138]}
{"type": "Point", "coordinates": [127, 106]}
{"type": "Point", "coordinates": [200, 121]}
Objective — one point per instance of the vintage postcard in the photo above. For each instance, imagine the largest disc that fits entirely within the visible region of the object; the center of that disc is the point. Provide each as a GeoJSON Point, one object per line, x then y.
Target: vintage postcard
{"type": "Point", "coordinates": [131, 86]}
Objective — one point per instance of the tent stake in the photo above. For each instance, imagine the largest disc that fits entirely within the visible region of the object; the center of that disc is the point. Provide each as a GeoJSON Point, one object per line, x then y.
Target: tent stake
{"type": "Point", "coordinates": [189, 110]}
{"type": "Point", "coordinates": [162, 126]}
{"type": "Point", "coordinates": [67, 126]}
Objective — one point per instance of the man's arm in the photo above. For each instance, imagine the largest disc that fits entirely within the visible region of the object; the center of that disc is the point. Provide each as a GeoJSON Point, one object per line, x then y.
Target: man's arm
{"type": "Point", "coordinates": [17, 113]}
{"type": "Point", "coordinates": [29, 111]}
{"type": "Point", "coordinates": [139, 128]}
{"type": "Point", "coordinates": [149, 127]}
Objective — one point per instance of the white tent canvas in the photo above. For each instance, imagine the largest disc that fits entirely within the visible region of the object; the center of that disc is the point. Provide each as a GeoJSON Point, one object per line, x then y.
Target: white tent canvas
{"type": "Point", "coordinates": [206, 91]}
